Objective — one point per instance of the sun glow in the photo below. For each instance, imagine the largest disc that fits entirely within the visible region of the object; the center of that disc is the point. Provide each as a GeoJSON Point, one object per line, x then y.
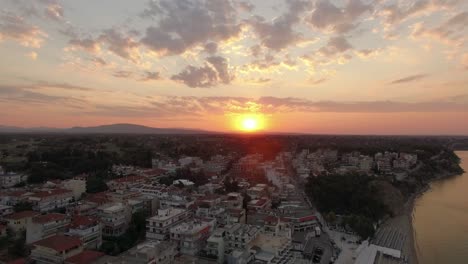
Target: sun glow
{"type": "Point", "coordinates": [250, 123]}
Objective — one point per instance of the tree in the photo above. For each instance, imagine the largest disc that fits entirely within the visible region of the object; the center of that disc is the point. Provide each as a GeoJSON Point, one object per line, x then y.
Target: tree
{"type": "Point", "coordinates": [18, 247]}
{"type": "Point", "coordinates": [246, 201]}
{"type": "Point", "coordinates": [330, 217]}
{"type": "Point", "coordinates": [95, 184]}
{"type": "Point", "coordinates": [23, 206]}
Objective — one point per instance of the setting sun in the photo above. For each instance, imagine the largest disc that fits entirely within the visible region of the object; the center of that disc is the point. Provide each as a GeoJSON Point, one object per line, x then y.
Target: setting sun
{"type": "Point", "coordinates": [250, 123]}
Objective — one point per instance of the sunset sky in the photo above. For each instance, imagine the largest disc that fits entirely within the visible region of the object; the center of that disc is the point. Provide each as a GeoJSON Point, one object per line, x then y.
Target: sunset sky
{"type": "Point", "coordinates": [340, 67]}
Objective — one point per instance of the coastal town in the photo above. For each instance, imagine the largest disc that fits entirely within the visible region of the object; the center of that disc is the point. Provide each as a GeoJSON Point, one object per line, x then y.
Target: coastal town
{"type": "Point", "coordinates": [227, 208]}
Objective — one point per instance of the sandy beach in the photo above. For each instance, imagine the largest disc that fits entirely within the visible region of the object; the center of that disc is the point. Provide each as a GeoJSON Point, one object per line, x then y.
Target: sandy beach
{"type": "Point", "coordinates": [403, 224]}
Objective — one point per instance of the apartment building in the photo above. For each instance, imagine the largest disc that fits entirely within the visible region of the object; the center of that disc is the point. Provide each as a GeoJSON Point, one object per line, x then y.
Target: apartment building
{"type": "Point", "coordinates": [44, 226]}
{"type": "Point", "coordinates": [154, 252]}
{"type": "Point", "coordinates": [240, 236]}
{"type": "Point", "coordinates": [17, 222]}
{"type": "Point", "coordinates": [191, 236]}
{"type": "Point", "coordinates": [49, 200]}
{"type": "Point", "coordinates": [158, 227]}
{"type": "Point", "coordinates": [56, 249]}
{"type": "Point", "coordinates": [115, 218]}
{"type": "Point", "coordinates": [88, 229]}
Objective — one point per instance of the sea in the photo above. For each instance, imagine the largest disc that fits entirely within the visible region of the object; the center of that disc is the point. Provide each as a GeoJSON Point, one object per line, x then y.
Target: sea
{"type": "Point", "coordinates": [440, 220]}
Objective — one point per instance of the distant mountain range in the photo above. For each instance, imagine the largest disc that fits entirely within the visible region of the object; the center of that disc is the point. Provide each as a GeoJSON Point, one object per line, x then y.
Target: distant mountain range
{"type": "Point", "coordinates": [105, 129]}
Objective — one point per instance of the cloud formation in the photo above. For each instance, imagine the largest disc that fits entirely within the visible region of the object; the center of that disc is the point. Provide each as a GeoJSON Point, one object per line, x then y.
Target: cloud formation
{"type": "Point", "coordinates": [410, 78]}
{"type": "Point", "coordinates": [330, 18]}
{"type": "Point", "coordinates": [182, 25]}
{"type": "Point", "coordinates": [280, 33]}
{"type": "Point", "coordinates": [15, 28]}
{"type": "Point", "coordinates": [215, 71]}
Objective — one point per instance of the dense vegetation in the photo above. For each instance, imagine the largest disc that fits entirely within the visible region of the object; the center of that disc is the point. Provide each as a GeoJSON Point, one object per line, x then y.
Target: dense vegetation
{"type": "Point", "coordinates": [350, 195]}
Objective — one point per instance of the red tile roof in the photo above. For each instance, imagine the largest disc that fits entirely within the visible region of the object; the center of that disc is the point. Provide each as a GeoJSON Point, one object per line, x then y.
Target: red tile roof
{"type": "Point", "coordinates": [16, 193]}
{"type": "Point", "coordinates": [85, 257]}
{"type": "Point", "coordinates": [21, 215]}
{"type": "Point", "coordinates": [60, 243]}
{"type": "Point", "coordinates": [130, 179]}
{"type": "Point", "coordinates": [18, 261]}
{"type": "Point", "coordinates": [83, 221]}
{"type": "Point", "coordinates": [52, 217]}
{"type": "Point", "coordinates": [53, 192]}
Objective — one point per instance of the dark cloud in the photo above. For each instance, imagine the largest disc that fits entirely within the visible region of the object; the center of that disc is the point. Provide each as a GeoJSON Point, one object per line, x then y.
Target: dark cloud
{"type": "Point", "coordinates": [121, 45]}
{"type": "Point", "coordinates": [123, 74]}
{"type": "Point", "coordinates": [188, 105]}
{"type": "Point", "coordinates": [16, 28]}
{"type": "Point", "coordinates": [185, 24]}
{"type": "Point", "coordinates": [260, 80]}
{"type": "Point", "coordinates": [326, 16]}
{"type": "Point", "coordinates": [151, 76]}
{"type": "Point", "coordinates": [118, 43]}
{"type": "Point", "coordinates": [88, 44]}
{"type": "Point", "coordinates": [280, 33]}
{"type": "Point", "coordinates": [397, 12]}
{"type": "Point", "coordinates": [245, 6]}
{"type": "Point", "coordinates": [335, 45]}
{"type": "Point", "coordinates": [451, 31]}
{"type": "Point", "coordinates": [54, 11]}
{"type": "Point", "coordinates": [410, 78]}
{"type": "Point", "coordinates": [32, 94]}
{"type": "Point", "coordinates": [211, 48]}
{"type": "Point", "coordinates": [215, 71]}
{"type": "Point", "coordinates": [317, 81]}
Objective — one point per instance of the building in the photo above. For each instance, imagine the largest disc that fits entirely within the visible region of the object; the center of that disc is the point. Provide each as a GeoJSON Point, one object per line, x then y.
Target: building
{"type": "Point", "coordinates": [257, 191]}
{"type": "Point", "coordinates": [370, 254]}
{"type": "Point", "coordinates": [259, 204]}
{"type": "Point", "coordinates": [49, 200]}
{"type": "Point", "coordinates": [186, 161]}
{"type": "Point", "coordinates": [3, 230]}
{"type": "Point", "coordinates": [56, 249]}
{"type": "Point", "coordinates": [85, 257]}
{"type": "Point", "coordinates": [126, 183]}
{"type": "Point", "coordinates": [5, 210]}
{"type": "Point", "coordinates": [182, 201]}
{"type": "Point", "coordinates": [10, 179]}
{"type": "Point", "coordinates": [44, 226]}
{"type": "Point", "coordinates": [154, 252]}
{"type": "Point", "coordinates": [14, 197]}
{"type": "Point", "coordinates": [17, 222]}
{"type": "Point", "coordinates": [158, 227]}
{"type": "Point", "coordinates": [88, 229]}
{"type": "Point", "coordinates": [240, 236]}
{"type": "Point", "coordinates": [216, 164]}
{"type": "Point", "coordinates": [191, 236]}
{"type": "Point", "coordinates": [115, 218]}
{"type": "Point", "coordinates": [215, 246]}
{"type": "Point", "coordinates": [233, 201]}
{"type": "Point", "coordinates": [272, 249]}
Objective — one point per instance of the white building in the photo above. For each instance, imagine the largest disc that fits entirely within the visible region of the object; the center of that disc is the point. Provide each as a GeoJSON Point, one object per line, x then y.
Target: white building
{"type": "Point", "coordinates": [158, 227]}
{"type": "Point", "coordinates": [8, 180]}
{"type": "Point", "coordinates": [45, 201]}
{"type": "Point", "coordinates": [215, 245]}
{"type": "Point", "coordinates": [115, 218]}
{"type": "Point", "coordinates": [88, 229]}
{"type": "Point", "coordinates": [191, 236]}
{"type": "Point", "coordinates": [44, 226]}
{"type": "Point", "coordinates": [56, 249]}
{"type": "Point", "coordinates": [154, 252]}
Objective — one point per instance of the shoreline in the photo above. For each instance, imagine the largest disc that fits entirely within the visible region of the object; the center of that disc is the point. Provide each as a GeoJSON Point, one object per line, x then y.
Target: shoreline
{"type": "Point", "coordinates": [408, 213]}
